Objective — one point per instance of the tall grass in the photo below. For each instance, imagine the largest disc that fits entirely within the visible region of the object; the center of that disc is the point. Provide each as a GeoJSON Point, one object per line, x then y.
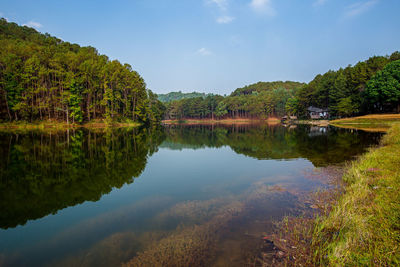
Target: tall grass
{"type": "Point", "coordinates": [363, 228]}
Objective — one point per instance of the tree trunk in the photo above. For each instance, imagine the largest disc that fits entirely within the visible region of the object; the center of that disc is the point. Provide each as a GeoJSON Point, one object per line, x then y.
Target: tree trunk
{"type": "Point", "coordinates": [88, 106]}
{"type": "Point", "coordinates": [8, 109]}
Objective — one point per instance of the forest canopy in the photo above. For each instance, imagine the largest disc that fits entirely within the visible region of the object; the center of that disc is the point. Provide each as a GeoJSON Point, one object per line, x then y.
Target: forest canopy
{"type": "Point", "coordinates": [179, 95]}
{"type": "Point", "coordinates": [43, 77]}
{"type": "Point", "coordinates": [370, 86]}
{"type": "Point", "coordinates": [258, 100]}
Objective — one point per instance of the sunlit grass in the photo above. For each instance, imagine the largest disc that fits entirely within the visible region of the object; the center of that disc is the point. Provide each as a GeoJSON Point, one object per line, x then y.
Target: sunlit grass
{"type": "Point", "coordinates": [363, 229]}
{"type": "Point", "coordinates": [373, 122]}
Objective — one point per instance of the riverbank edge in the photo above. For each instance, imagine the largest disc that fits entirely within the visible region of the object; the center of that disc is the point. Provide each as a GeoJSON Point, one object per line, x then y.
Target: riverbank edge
{"type": "Point", "coordinates": [362, 229]}
{"type": "Point", "coordinates": [43, 125]}
{"type": "Point", "coordinates": [371, 123]}
{"type": "Point", "coordinates": [354, 222]}
{"type": "Point", "coordinates": [221, 121]}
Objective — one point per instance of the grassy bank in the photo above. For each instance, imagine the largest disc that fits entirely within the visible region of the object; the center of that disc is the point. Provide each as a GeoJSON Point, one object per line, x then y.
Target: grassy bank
{"type": "Point", "coordinates": [363, 228]}
{"type": "Point", "coordinates": [375, 122]}
{"type": "Point", "coordinates": [43, 125]}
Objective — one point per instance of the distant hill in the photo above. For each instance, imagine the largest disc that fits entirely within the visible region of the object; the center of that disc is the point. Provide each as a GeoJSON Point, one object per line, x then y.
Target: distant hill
{"type": "Point", "coordinates": [266, 86]}
{"type": "Point", "coordinates": [179, 95]}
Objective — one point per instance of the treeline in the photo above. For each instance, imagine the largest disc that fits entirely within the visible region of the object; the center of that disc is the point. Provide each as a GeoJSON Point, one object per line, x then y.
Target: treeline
{"type": "Point", "coordinates": [179, 95]}
{"type": "Point", "coordinates": [371, 86]}
{"type": "Point", "coordinates": [258, 100]}
{"type": "Point", "coordinates": [43, 77]}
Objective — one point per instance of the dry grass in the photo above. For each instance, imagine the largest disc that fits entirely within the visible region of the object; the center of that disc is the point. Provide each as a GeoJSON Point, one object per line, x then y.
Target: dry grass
{"type": "Point", "coordinates": [373, 122]}
{"type": "Point", "coordinates": [372, 116]}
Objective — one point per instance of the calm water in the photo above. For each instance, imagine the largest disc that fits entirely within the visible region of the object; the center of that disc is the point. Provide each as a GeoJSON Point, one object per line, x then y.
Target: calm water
{"type": "Point", "coordinates": [105, 197]}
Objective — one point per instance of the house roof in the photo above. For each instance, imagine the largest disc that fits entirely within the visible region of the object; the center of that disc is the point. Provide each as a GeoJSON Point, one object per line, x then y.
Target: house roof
{"type": "Point", "coordinates": [315, 109]}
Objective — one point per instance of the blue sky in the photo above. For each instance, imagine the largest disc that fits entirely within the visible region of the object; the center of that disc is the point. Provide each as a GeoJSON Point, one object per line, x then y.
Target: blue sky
{"type": "Point", "coordinates": [220, 45]}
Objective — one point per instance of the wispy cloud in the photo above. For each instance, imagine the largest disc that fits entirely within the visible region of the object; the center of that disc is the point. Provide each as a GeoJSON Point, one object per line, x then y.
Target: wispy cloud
{"type": "Point", "coordinates": [33, 24]}
{"type": "Point", "coordinates": [222, 4]}
{"type": "Point", "coordinates": [204, 52]}
{"type": "Point", "coordinates": [359, 8]}
{"type": "Point", "coordinates": [225, 19]}
{"type": "Point", "coordinates": [318, 3]}
{"type": "Point", "coordinates": [263, 6]}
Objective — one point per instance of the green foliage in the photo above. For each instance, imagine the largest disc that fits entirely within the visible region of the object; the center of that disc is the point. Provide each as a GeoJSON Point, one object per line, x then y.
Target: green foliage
{"type": "Point", "coordinates": [157, 108]}
{"type": "Point", "coordinates": [383, 90]}
{"type": "Point", "coordinates": [75, 101]}
{"type": "Point", "coordinates": [172, 96]}
{"type": "Point", "coordinates": [345, 107]}
{"type": "Point", "coordinates": [265, 86]}
{"type": "Point", "coordinates": [258, 104]}
{"type": "Point", "coordinates": [292, 106]}
{"type": "Point", "coordinates": [342, 91]}
{"type": "Point", "coordinates": [221, 110]}
{"type": "Point", "coordinates": [42, 77]}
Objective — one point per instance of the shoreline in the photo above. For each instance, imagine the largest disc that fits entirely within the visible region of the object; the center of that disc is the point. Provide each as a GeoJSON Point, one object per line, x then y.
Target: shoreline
{"type": "Point", "coordinates": [222, 121]}
{"type": "Point", "coordinates": [371, 123]}
{"type": "Point", "coordinates": [55, 125]}
{"type": "Point", "coordinates": [365, 215]}
{"type": "Point", "coordinates": [354, 223]}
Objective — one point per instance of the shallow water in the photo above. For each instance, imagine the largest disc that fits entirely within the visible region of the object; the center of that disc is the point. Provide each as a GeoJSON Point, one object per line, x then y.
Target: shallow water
{"type": "Point", "coordinates": [107, 197]}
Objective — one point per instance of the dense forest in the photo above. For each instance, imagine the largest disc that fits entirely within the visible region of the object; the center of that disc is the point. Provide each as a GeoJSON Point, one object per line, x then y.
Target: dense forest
{"type": "Point", "coordinates": [254, 101]}
{"type": "Point", "coordinates": [371, 86]}
{"type": "Point", "coordinates": [179, 95]}
{"type": "Point", "coordinates": [43, 77]}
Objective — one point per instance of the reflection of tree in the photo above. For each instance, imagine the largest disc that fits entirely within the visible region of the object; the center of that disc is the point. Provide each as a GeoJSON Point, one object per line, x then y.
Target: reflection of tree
{"type": "Point", "coordinates": [41, 173]}
{"type": "Point", "coordinates": [322, 146]}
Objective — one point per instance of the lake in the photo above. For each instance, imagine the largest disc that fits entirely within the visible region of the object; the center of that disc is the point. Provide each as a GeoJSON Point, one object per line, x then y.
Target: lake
{"type": "Point", "coordinates": [198, 194]}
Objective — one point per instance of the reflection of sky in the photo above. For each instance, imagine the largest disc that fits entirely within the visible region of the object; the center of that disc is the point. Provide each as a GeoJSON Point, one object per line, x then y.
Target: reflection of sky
{"type": "Point", "coordinates": [170, 176]}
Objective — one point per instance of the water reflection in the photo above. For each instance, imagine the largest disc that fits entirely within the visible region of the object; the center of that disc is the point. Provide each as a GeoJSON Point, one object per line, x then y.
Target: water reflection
{"type": "Point", "coordinates": [61, 169]}
{"type": "Point", "coordinates": [41, 172]}
{"type": "Point", "coordinates": [320, 145]}
{"type": "Point", "coordinates": [198, 200]}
